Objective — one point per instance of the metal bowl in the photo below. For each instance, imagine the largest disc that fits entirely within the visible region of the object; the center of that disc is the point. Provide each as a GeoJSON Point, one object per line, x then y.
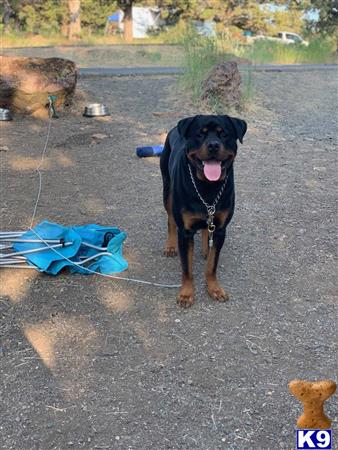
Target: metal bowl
{"type": "Point", "coordinates": [5, 114]}
{"type": "Point", "coordinates": [96, 110]}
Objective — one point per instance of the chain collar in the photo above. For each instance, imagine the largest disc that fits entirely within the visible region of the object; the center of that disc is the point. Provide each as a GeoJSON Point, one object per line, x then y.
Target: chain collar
{"type": "Point", "coordinates": [211, 209]}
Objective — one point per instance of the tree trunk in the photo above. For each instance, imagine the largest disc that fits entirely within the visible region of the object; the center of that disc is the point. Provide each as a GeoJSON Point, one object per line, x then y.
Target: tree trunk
{"type": "Point", "coordinates": [75, 20]}
{"type": "Point", "coordinates": [65, 25]}
{"type": "Point", "coordinates": [128, 21]}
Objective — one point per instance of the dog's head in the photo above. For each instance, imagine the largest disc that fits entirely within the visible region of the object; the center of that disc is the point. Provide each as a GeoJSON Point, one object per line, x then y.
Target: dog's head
{"type": "Point", "coordinates": [211, 143]}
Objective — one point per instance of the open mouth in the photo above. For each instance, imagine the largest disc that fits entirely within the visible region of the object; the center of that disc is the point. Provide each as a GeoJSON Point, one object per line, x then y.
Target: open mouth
{"type": "Point", "coordinates": [212, 168]}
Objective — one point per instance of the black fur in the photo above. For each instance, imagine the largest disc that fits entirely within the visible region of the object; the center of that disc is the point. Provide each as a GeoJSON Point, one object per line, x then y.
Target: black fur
{"type": "Point", "coordinates": [192, 136]}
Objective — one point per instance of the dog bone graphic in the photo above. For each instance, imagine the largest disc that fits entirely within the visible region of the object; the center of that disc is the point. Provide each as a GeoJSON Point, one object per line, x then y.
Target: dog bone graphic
{"type": "Point", "coordinates": [313, 395]}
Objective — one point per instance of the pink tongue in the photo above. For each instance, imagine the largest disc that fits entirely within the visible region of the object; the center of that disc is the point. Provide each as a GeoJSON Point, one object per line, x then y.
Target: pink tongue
{"type": "Point", "coordinates": [212, 170]}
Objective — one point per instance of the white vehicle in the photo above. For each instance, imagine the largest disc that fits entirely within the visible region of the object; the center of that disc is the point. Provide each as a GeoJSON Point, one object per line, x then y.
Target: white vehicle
{"type": "Point", "coordinates": [290, 38]}
{"type": "Point", "coordinates": [285, 37]}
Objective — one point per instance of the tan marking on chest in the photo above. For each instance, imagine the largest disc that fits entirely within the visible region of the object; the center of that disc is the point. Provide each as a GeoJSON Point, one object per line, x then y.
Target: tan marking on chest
{"type": "Point", "coordinates": [190, 218]}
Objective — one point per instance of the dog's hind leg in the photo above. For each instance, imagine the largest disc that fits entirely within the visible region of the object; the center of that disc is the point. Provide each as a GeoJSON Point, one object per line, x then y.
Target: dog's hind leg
{"type": "Point", "coordinates": [170, 248]}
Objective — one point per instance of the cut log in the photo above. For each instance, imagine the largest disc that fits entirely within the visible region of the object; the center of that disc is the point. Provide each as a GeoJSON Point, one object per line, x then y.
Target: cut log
{"type": "Point", "coordinates": [26, 83]}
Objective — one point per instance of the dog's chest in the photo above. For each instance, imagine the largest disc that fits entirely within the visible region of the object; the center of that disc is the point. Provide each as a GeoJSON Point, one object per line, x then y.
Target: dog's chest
{"type": "Point", "coordinates": [197, 220]}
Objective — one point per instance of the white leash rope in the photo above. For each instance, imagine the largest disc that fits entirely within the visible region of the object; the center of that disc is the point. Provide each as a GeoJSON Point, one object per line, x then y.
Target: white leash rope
{"type": "Point", "coordinates": [115, 277]}
{"type": "Point", "coordinates": [41, 162]}
{"type": "Point", "coordinates": [103, 274]}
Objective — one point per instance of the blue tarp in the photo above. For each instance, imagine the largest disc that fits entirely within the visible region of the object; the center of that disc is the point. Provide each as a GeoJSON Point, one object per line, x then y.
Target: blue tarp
{"type": "Point", "coordinates": [52, 261]}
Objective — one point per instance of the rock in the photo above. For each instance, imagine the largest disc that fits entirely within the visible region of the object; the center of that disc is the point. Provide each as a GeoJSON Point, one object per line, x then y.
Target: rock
{"type": "Point", "coordinates": [25, 83]}
{"type": "Point", "coordinates": [223, 83]}
{"type": "Point", "coordinates": [99, 136]}
{"type": "Point", "coordinates": [166, 114]}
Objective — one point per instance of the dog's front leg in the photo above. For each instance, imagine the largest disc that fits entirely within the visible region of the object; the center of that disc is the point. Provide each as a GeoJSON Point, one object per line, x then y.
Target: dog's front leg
{"type": "Point", "coordinates": [214, 289]}
{"type": "Point", "coordinates": [186, 250]}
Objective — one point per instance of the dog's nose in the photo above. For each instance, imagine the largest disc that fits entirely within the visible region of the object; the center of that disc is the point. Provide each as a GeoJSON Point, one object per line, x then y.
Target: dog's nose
{"type": "Point", "coordinates": [213, 146]}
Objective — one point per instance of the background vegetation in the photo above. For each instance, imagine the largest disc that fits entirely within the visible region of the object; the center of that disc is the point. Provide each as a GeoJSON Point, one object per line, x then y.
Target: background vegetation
{"type": "Point", "coordinates": [51, 18]}
{"type": "Point", "coordinates": [201, 54]}
{"type": "Point", "coordinates": [59, 22]}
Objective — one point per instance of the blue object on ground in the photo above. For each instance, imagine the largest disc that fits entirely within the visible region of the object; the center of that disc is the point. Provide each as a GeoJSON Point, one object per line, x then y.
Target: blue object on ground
{"type": "Point", "coordinates": [150, 150]}
{"type": "Point", "coordinates": [48, 231]}
{"type": "Point", "coordinates": [76, 245]}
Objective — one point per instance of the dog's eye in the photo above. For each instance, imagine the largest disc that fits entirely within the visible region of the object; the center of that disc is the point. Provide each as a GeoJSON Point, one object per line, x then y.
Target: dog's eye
{"type": "Point", "coordinates": [202, 133]}
{"type": "Point", "coordinates": [221, 132]}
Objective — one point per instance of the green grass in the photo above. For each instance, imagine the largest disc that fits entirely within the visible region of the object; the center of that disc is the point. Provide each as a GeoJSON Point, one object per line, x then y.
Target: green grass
{"type": "Point", "coordinates": [265, 52]}
{"type": "Point", "coordinates": [151, 56]}
{"type": "Point", "coordinates": [320, 51]}
{"type": "Point", "coordinates": [172, 35]}
{"type": "Point", "coordinates": [200, 56]}
{"type": "Point", "coordinates": [248, 89]}
{"type": "Point", "coordinates": [108, 55]}
{"type": "Point", "coordinates": [259, 52]}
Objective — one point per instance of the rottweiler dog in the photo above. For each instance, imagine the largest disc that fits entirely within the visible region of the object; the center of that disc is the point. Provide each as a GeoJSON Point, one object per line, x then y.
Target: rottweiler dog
{"type": "Point", "coordinates": [198, 193]}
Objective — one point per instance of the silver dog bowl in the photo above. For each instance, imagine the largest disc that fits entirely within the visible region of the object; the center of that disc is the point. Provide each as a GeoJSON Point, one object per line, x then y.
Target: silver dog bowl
{"type": "Point", "coordinates": [5, 114]}
{"type": "Point", "coordinates": [96, 110]}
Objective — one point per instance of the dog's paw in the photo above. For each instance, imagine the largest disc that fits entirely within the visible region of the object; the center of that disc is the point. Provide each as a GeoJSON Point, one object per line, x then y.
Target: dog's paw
{"type": "Point", "coordinates": [217, 292]}
{"type": "Point", "coordinates": [185, 301]}
{"type": "Point", "coordinates": [185, 297]}
{"type": "Point", "coordinates": [170, 250]}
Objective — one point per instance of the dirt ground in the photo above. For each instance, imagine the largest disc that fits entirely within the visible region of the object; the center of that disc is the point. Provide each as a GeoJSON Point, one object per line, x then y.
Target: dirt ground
{"type": "Point", "coordinates": [91, 363]}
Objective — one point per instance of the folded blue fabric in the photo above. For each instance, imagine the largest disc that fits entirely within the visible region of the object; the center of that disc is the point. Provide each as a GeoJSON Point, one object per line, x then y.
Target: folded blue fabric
{"type": "Point", "coordinates": [47, 231]}
{"type": "Point", "coordinates": [52, 261]}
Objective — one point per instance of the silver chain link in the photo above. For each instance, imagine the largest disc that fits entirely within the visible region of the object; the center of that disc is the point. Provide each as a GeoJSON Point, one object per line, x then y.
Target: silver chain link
{"type": "Point", "coordinates": [210, 208]}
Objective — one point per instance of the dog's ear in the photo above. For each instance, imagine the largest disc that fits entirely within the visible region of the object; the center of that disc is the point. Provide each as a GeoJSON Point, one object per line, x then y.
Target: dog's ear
{"type": "Point", "coordinates": [184, 124]}
{"type": "Point", "coordinates": [239, 126]}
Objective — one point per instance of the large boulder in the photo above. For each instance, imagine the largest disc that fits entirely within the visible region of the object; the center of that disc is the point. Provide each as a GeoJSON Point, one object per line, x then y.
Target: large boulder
{"type": "Point", "coordinates": [26, 83]}
{"type": "Point", "coordinates": [223, 83]}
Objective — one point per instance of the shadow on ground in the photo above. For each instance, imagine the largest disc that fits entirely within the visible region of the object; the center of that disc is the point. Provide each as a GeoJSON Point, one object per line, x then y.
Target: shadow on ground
{"type": "Point", "coordinates": [92, 363]}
